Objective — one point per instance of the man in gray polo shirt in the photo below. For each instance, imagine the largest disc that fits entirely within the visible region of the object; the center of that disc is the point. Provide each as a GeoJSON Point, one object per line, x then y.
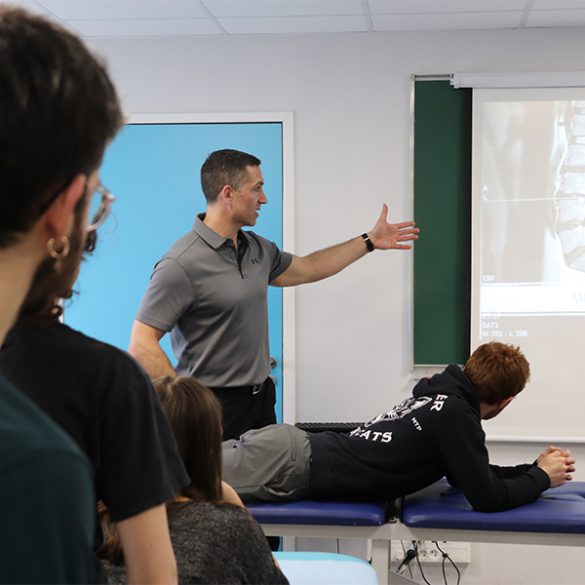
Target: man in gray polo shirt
{"type": "Point", "coordinates": [210, 291]}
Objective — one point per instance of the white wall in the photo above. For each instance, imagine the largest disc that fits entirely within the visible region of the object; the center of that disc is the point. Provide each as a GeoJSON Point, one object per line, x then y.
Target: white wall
{"type": "Point", "coordinates": [350, 96]}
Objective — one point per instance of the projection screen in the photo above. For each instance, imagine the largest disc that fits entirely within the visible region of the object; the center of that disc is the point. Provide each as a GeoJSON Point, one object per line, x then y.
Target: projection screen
{"type": "Point", "coordinates": [528, 250]}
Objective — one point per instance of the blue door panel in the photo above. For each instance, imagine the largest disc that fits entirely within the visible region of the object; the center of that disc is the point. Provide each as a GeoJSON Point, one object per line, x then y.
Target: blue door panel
{"type": "Point", "coordinates": [153, 170]}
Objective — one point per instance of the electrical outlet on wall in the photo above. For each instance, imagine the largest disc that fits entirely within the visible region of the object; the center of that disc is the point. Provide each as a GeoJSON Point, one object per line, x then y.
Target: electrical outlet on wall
{"type": "Point", "coordinates": [428, 551]}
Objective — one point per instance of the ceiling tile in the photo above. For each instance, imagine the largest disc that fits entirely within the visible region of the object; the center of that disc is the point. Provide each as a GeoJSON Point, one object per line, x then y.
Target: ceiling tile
{"type": "Point", "coordinates": [455, 21]}
{"type": "Point", "coordinates": [263, 8]}
{"type": "Point", "coordinates": [123, 9]}
{"type": "Point", "coordinates": [30, 5]}
{"type": "Point", "coordinates": [558, 4]}
{"type": "Point", "coordinates": [434, 6]}
{"type": "Point", "coordinates": [308, 24]}
{"type": "Point", "coordinates": [126, 18]}
{"type": "Point", "coordinates": [556, 18]}
{"type": "Point", "coordinates": [145, 28]}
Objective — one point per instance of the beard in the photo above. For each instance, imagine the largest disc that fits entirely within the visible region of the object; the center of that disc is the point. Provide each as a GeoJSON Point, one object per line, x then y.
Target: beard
{"type": "Point", "coordinates": [54, 279]}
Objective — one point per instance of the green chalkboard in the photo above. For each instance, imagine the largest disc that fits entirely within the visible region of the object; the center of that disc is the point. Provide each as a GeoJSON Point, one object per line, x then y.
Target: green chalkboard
{"type": "Point", "coordinates": [442, 210]}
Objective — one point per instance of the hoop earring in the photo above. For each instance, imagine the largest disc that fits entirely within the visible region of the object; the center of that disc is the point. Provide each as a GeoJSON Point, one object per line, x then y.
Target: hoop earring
{"type": "Point", "coordinates": [58, 255]}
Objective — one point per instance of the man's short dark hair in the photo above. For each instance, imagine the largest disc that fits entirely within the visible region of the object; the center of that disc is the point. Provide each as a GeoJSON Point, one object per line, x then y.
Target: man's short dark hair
{"type": "Point", "coordinates": [58, 110]}
{"type": "Point", "coordinates": [225, 167]}
{"type": "Point", "coordinates": [497, 371]}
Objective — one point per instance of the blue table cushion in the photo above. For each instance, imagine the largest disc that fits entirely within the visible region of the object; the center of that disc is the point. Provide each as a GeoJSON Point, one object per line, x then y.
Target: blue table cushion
{"type": "Point", "coordinates": [323, 513]}
{"type": "Point", "coordinates": [559, 510]}
{"type": "Point", "coordinates": [313, 568]}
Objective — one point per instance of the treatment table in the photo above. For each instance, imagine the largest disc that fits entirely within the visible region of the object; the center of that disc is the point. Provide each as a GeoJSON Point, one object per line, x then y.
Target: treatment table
{"type": "Point", "coordinates": [438, 512]}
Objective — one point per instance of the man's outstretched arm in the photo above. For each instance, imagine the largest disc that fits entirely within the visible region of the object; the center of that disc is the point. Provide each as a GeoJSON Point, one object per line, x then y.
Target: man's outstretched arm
{"type": "Point", "coordinates": [330, 261]}
{"type": "Point", "coordinates": [146, 350]}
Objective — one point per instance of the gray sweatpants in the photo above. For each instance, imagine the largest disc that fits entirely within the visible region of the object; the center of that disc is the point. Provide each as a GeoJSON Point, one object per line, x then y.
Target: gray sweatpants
{"type": "Point", "coordinates": [271, 463]}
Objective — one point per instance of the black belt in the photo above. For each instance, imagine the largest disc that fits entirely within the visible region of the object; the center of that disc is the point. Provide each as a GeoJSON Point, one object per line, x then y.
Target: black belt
{"type": "Point", "coordinates": [253, 389]}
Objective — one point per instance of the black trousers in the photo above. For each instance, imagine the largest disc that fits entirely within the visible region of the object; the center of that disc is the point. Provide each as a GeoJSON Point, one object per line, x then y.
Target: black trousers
{"type": "Point", "coordinates": [246, 407]}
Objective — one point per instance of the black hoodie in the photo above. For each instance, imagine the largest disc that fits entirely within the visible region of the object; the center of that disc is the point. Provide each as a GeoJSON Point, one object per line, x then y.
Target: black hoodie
{"type": "Point", "coordinates": [435, 433]}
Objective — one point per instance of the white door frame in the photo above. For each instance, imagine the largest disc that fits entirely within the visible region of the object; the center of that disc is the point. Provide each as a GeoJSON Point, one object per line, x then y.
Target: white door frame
{"type": "Point", "coordinates": [288, 232]}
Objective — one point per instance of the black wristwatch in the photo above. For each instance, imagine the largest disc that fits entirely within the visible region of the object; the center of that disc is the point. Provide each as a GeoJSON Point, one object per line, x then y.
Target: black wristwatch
{"type": "Point", "coordinates": [368, 242]}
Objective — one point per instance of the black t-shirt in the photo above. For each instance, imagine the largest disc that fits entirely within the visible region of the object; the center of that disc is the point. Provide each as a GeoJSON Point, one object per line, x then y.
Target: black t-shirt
{"type": "Point", "coordinates": [103, 399]}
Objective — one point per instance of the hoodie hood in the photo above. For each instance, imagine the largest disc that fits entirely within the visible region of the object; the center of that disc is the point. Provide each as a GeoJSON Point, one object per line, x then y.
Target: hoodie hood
{"type": "Point", "coordinates": [452, 381]}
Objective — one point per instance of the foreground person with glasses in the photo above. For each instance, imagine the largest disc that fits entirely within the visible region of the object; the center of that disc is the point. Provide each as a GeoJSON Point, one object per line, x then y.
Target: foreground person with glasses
{"type": "Point", "coordinates": [99, 207]}
{"type": "Point", "coordinates": [58, 110]}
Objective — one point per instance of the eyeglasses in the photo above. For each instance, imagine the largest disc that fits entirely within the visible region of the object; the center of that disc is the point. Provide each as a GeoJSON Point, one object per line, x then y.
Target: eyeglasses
{"type": "Point", "coordinates": [99, 207]}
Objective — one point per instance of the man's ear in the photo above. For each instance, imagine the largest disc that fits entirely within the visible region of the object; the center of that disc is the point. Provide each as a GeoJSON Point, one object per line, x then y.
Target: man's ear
{"type": "Point", "coordinates": [226, 195]}
{"type": "Point", "coordinates": [505, 402]}
{"type": "Point", "coordinates": [58, 219]}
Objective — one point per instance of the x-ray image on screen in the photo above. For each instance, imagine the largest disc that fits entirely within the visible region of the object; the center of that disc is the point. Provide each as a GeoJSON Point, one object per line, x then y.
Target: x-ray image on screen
{"type": "Point", "coordinates": [570, 191]}
{"type": "Point", "coordinates": [528, 250]}
{"type": "Point", "coordinates": [529, 200]}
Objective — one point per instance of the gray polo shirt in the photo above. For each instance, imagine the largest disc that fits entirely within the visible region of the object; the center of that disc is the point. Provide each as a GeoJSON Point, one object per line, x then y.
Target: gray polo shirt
{"type": "Point", "coordinates": [213, 300]}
